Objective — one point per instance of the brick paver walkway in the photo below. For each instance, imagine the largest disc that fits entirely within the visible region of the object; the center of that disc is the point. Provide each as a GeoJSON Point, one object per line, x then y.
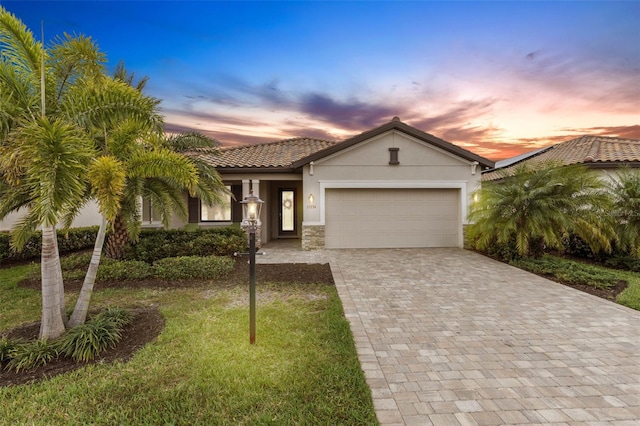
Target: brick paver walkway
{"type": "Point", "coordinates": [450, 337]}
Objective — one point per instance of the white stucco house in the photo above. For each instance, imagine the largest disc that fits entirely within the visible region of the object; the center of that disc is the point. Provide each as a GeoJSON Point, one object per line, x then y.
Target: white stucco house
{"type": "Point", "coordinates": [391, 186]}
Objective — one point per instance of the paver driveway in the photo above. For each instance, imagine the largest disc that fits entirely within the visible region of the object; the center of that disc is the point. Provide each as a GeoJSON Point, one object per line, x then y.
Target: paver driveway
{"type": "Point", "coordinates": [450, 337]}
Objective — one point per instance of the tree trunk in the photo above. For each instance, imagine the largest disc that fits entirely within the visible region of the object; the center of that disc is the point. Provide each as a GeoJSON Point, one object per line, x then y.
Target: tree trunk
{"type": "Point", "coordinates": [58, 266]}
{"type": "Point", "coordinates": [51, 326]}
{"type": "Point", "coordinates": [79, 315]}
{"type": "Point", "coordinates": [117, 240]}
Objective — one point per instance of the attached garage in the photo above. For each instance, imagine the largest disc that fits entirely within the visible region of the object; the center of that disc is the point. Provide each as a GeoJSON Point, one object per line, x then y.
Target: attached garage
{"type": "Point", "coordinates": [392, 217]}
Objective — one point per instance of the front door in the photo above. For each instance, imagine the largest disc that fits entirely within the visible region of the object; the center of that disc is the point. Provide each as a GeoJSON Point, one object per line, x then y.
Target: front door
{"type": "Point", "coordinates": [287, 213]}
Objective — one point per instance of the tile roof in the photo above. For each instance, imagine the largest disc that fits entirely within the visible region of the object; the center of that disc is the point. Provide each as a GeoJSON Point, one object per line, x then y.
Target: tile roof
{"type": "Point", "coordinates": [291, 154]}
{"type": "Point", "coordinates": [276, 155]}
{"type": "Point", "coordinates": [591, 150]}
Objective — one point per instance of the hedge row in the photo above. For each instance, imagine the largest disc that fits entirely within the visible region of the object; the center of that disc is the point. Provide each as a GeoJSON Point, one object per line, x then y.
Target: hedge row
{"type": "Point", "coordinates": [74, 267]}
{"type": "Point", "coordinates": [153, 244]}
{"type": "Point", "coordinates": [68, 241]}
{"type": "Point", "coordinates": [158, 244]}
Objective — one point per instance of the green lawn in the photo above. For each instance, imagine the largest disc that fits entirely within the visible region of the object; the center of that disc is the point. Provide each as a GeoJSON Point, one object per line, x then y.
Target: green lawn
{"type": "Point", "coordinates": [202, 369]}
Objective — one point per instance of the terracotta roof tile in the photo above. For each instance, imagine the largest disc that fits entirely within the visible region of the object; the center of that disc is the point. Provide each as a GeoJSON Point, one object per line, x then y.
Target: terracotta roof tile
{"type": "Point", "coordinates": [585, 149]}
{"type": "Point", "coordinates": [272, 155]}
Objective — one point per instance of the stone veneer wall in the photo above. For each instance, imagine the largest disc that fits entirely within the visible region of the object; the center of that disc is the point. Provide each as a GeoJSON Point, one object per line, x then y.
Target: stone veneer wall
{"type": "Point", "coordinates": [465, 238]}
{"type": "Point", "coordinates": [312, 237]}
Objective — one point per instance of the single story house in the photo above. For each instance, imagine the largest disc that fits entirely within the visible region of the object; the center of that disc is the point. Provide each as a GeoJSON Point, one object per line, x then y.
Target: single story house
{"type": "Point", "coordinates": [603, 153]}
{"type": "Point", "coordinates": [391, 186]}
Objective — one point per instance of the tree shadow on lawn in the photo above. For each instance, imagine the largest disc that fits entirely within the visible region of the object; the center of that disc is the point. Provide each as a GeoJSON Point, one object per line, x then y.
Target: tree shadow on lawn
{"type": "Point", "coordinates": [148, 322]}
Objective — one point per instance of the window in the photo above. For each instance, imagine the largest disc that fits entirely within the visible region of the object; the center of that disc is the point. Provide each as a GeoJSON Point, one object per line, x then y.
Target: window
{"type": "Point", "coordinates": [217, 212]}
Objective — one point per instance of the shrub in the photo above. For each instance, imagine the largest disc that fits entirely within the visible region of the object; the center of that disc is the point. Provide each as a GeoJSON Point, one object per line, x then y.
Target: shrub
{"type": "Point", "coordinates": [70, 240]}
{"type": "Point", "coordinates": [186, 267]}
{"type": "Point", "coordinates": [27, 356]}
{"type": "Point", "coordinates": [4, 245]}
{"type": "Point", "coordinates": [74, 275]}
{"type": "Point", "coordinates": [86, 341]}
{"type": "Point", "coordinates": [6, 348]}
{"type": "Point", "coordinates": [75, 261]}
{"type": "Point", "coordinates": [158, 244]}
{"type": "Point", "coordinates": [124, 270]}
{"type": "Point", "coordinates": [120, 317]}
{"type": "Point", "coordinates": [569, 271]}
{"type": "Point", "coordinates": [75, 239]}
{"type": "Point", "coordinates": [625, 262]}
{"type": "Point", "coordinates": [504, 251]}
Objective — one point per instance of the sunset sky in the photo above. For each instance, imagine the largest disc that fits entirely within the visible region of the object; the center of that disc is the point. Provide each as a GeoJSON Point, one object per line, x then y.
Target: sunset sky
{"type": "Point", "coordinates": [497, 78]}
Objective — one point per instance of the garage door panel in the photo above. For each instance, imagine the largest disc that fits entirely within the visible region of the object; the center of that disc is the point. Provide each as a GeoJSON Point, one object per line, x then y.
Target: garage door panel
{"type": "Point", "coordinates": [391, 218]}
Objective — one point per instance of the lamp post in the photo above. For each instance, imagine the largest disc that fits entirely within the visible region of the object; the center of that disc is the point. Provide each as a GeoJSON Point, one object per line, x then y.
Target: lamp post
{"type": "Point", "coordinates": [251, 206]}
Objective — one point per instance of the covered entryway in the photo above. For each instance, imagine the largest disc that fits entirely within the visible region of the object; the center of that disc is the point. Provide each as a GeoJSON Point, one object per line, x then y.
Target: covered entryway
{"type": "Point", "coordinates": [392, 217]}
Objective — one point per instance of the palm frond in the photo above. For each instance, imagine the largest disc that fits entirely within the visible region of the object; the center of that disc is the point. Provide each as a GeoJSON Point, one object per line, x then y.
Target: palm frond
{"type": "Point", "coordinates": [106, 103]}
{"type": "Point", "coordinates": [108, 178]}
{"type": "Point", "coordinates": [73, 58]}
{"type": "Point", "coordinates": [162, 163]}
{"type": "Point", "coordinates": [120, 73]}
{"type": "Point", "coordinates": [18, 45]}
{"type": "Point", "coordinates": [186, 142]}
{"type": "Point", "coordinates": [57, 156]}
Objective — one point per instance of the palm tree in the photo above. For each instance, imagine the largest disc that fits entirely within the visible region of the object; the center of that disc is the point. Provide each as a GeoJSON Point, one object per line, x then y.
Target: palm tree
{"type": "Point", "coordinates": [136, 161]}
{"type": "Point", "coordinates": [108, 121]}
{"type": "Point", "coordinates": [539, 207]}
{"type": "Point", "coordinates": [163, 192]}
{"type": "Point", "coordinates": [48, 172]}
{"type": "Point", "coordinates": [44, 156]}
{"type": "Point", "coordinates": [165, 197]}
{"type": "Point", "coordinates": [129, 166]}
{"type": "Point", "coordinates": [625, 190]}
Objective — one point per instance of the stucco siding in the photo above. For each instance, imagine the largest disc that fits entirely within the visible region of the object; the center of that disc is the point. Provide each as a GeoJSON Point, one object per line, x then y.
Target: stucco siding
{"type": "Point", "coordinates": [88, 216]}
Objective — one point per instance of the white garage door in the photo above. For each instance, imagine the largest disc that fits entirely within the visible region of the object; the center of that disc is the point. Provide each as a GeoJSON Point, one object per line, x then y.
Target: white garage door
{"type": "Point", "coordinates": [391, 218]}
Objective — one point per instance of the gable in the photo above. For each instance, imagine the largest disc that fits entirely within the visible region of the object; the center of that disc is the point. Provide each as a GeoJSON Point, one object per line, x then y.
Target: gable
{"type": "Point", "coordinates": [376, 151]}
{"type": "Point", "coordinates": [399, 127]}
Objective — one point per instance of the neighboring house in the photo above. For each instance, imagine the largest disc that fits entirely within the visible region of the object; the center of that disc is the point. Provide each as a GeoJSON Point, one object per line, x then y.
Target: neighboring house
{"type": "Point", "coordinates": [391, 186]}
{"type": "Point", "coordinates": [603, 153]}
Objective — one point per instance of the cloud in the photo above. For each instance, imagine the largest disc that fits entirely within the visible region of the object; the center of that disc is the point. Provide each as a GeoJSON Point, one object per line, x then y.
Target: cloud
{"type": "Point", "coordinates": [497, 150]}
{"type": "Point", "coordinates": [213, 118]}
{"type": "Point", "coordinates": [459, 115]}
{"type": "Point", "coordinates": [226, 138]}
{"type": "Point", "coordinates": [629, 132]}
{"type": "Point", "coordinates": [351, 115]}
{"type": "Point", "coordinates": [475, 135]}
{"type": "Point", "coordinates": [574, 78]}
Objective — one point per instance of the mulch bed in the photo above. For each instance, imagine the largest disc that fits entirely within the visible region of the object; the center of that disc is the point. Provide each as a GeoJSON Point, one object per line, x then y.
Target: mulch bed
{"type": "Point", "coordinates": [148, 323]}
{"type": "Point", "coordinates": [146, 326]}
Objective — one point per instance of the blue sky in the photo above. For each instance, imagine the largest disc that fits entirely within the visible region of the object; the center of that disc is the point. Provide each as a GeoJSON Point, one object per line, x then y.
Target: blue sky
{"type": "Point", "coordinates": [498, 78]}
